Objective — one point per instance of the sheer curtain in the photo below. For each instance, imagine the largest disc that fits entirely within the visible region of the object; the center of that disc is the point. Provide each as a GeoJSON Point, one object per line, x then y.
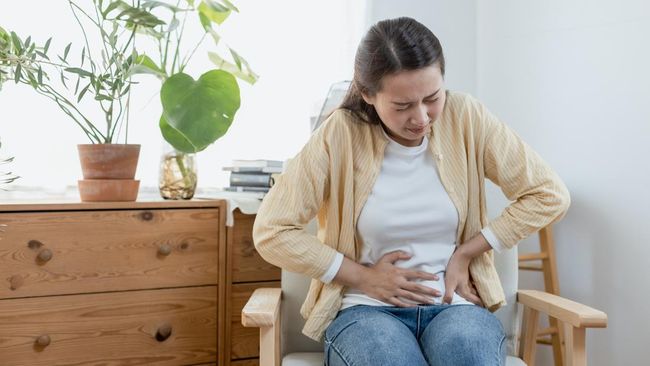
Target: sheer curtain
{"type": "Point", "coordinates": [297, 47]}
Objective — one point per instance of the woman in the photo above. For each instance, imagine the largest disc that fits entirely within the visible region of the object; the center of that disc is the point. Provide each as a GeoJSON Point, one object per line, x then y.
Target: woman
{"type": "Point", "coordinates": [402, 269]}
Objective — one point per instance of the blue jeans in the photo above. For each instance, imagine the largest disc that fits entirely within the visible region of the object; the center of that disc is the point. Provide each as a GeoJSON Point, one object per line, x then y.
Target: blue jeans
{"type": "Point", "coordinates": [423, 335]}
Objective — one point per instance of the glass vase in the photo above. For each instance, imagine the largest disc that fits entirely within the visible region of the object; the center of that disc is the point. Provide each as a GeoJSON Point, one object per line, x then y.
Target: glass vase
{"type": "Point", "coordinates": [177, 176]}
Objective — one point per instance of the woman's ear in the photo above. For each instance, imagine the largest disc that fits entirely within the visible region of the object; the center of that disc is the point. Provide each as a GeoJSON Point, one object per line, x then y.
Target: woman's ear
{"type": "Point", "coordinates": [368, 99]}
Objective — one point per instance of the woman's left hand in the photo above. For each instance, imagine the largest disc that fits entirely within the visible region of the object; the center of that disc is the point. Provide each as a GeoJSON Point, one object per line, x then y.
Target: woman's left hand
{"type": "Point", "coordinates": [457, 279]}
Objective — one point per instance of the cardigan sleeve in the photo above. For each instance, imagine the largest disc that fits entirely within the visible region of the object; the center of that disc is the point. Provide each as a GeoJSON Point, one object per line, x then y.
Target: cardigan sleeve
{"type": "Point", "coordinates": [538, 195]}
{"type": "Point", "coordinates": [295, 199]}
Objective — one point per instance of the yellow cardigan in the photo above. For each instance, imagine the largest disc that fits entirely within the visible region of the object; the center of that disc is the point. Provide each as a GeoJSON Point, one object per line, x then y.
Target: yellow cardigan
{"type": "Point", "coordinates": [335, 171]}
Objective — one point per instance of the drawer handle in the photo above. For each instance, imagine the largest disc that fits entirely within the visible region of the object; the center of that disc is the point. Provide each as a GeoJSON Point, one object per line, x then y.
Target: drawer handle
{"type": "Point", "coordinates": [164, 250]}
{"type": "Point", "coordinates": [44, 255]}
{"type": "Point", "coordinates": [43, 341]}
{"type": "Point", "coordinates": [163, 332]}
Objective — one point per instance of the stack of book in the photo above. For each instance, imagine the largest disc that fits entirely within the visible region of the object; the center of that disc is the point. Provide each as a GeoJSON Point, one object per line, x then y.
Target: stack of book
{"type": "Point", "coordinates": [253, 175]}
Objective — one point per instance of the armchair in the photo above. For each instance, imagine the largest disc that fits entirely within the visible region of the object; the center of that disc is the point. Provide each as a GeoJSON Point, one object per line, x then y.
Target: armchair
{"type": "Point", "coordinates": [277, 313]}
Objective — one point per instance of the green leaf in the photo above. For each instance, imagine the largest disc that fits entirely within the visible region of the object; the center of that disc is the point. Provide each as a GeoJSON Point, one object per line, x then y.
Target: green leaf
{"type": "Point", "coordinates": [65, 52]}
{"type": "Point", "coordinates": [145, 65]}
{"type": "Point", "coordinates": [32, 79]}
{"type": "Point", "coordinates": [215, 12]}
{"type": "Point", "coordinates": [237, 58]}
{"type": "Point", "coordinates": [42, 55]}
{"type": "Point", "coordinates": [173, 25]}
{"type": "Point", "coordinates": [102, 97]}
{"type": "Point", "coordinates": [125, 91]}
{"type": "Point", "coordinates": [217, 6]}
{"type": "Point", "coordinates": [175, 137]}
{"type": "Point", "coordinates": [28, 41]}
{"type": "Point", "coordinates": [150, 4]}
{"type": "Point", "coordinates": [78, 71]}
{"type": "Point", "coordinates": [139, 17]}
{"type": "Point", "coordinates": [215, 36]}
{"type": "Point", "coordinates": [76, 85]}
{"type": "Point", "coordinates": [17, 73]}
{"type": "Point", "coordinates": [246, 75]}
{"type": "Point", "coordinates": [40, 75]}
{"type": "Point", "coordinates": [82, 93]}
{"type": "Point", "coordinates": [18, 45]}
{"type": "Point", "coordinates": [205, 21]}
{"type": "Point", "coordinates": [63, 79]}
{"type": "Point", "coordinates": [230, 5]}
{"type": "Point", "coordinates": [47, 45]}
{"type": "Point", "coordinates": [197, 113]}
{"type": "Point", "coordinates": [112, 6]}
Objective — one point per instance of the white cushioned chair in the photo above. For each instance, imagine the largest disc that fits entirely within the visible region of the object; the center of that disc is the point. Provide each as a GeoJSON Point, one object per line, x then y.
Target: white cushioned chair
{"type": "Point", "coordinates": [277, 313]}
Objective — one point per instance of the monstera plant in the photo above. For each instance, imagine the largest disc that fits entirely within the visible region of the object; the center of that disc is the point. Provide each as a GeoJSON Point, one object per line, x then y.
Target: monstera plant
{"type": "Point", "coordinates": [195, 112]}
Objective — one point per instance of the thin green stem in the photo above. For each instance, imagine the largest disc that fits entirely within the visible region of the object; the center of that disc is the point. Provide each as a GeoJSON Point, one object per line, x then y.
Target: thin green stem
{"type": "Point", "coordinates": [25, 62]}
{"type": "Point", "coordinates": [93, 138]}
{"type": "Point", "coordinates": [178, 43]}
{"type": "Point", "coordinates": [90, 125]}
{"type": "Point", "coordinates": [188, 57]}
{"type": "Point", "coordinates": [92, 64]}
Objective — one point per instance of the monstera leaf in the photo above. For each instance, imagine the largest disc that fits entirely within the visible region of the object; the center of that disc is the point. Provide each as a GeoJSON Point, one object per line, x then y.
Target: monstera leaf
{"type": "Point", "coordinates": [198, 112]}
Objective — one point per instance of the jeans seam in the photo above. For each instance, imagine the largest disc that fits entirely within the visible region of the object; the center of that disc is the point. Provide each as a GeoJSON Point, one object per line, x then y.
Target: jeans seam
{"type": "Point", "coordinates": [417, 325]}
{"type": "Point", "coordinates": [342, 329]}
{"type": "Point", "coordinates": [499, 358]}
{"type": "Point", "coordinates": [339, 354]}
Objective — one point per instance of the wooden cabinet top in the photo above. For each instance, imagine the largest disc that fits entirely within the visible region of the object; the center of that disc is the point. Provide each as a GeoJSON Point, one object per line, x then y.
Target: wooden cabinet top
{"type": "Point", "coordinates": [67, 205]}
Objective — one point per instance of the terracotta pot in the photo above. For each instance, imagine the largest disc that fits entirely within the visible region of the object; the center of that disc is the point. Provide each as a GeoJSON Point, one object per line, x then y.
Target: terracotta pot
{"type": "Point", "coordinates": [109, 161]}
{"type": "Point", "coordinates": [108, 189]}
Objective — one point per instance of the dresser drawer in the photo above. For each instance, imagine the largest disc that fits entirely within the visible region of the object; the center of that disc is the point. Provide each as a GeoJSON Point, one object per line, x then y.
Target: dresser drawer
{"type": "Point", "coordinates": [68, 252]}
{"type": "Point", "coordinates": [124, 328]}
{"type": "Point", "coordinates": [245, 342]}
{"type": "Point", "coordinates": [247, 264]}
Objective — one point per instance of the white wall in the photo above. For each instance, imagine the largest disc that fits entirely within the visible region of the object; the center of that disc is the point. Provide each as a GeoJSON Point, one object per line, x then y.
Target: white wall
{"type": "Point", "coordinates": [298, 48]}
{"type": "Point", "coordinates": [572, 78]}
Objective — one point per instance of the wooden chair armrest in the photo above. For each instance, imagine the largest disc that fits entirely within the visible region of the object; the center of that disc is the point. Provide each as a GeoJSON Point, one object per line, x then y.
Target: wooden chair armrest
{"type": "Point", "coordinates": [262, 308]}
{"type": "Point", "coordinates": [565, 310]}
{"type": "Point", "coordinates": [573, 316]}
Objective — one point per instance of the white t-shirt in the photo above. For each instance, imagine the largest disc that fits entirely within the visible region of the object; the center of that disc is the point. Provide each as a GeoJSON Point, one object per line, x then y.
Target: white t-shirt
{"type": "Point", "coordinates": [408, 209]}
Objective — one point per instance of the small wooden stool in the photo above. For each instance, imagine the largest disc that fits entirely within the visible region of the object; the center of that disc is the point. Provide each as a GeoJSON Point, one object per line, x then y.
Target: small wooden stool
{"type": "Point", "coordinates": [553, 335]}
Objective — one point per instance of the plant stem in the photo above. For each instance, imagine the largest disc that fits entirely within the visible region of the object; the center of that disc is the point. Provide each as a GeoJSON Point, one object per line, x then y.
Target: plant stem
{"type": "Point", "coordinates": [181, 166]}
{"type": "Point", "coordinates": [92, 64]}
{"type": "Point", "coordinates": [187, 59]}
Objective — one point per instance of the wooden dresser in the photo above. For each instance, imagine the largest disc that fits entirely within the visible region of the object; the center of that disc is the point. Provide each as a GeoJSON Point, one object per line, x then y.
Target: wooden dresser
{"type": "Point", "coordinates": [137, 283]}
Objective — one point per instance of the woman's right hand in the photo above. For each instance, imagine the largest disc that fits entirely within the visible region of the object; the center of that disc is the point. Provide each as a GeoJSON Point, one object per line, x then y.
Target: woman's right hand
{"type": "Point", "coordinates": [388, 283]}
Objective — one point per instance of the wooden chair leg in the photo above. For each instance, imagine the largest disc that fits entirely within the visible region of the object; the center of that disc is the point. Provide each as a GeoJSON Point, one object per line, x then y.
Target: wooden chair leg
{"type": "Point", "coordinates": [529, 336]}
{"type": "Point", "coordinates": [557, 341]}
{"type": "Point", "coordinates": [551, 285]}
{"type": "Point", "coordinates": [575, 346]}
{"type": "Point", "coordinates": [270, 344]}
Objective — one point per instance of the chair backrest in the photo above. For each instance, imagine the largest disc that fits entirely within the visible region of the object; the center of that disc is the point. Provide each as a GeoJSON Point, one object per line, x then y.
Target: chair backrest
{"type": "Point", "coordinates": [295, 287]}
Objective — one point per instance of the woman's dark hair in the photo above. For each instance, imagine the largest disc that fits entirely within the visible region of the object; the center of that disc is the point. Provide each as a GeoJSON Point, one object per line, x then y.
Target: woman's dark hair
{"type": "Point", "coordinates": [390, 46]}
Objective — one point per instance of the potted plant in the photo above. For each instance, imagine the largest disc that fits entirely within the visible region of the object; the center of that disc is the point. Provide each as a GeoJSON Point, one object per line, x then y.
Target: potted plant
{"type": "Point", "coordinates": [103, 72]}
{"type": "Point", "coordinates": [195, 112]}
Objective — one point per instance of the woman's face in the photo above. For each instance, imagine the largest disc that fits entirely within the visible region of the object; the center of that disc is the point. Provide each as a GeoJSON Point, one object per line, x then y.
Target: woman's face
{"type": "Point", "coordinates": [409, 102]}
